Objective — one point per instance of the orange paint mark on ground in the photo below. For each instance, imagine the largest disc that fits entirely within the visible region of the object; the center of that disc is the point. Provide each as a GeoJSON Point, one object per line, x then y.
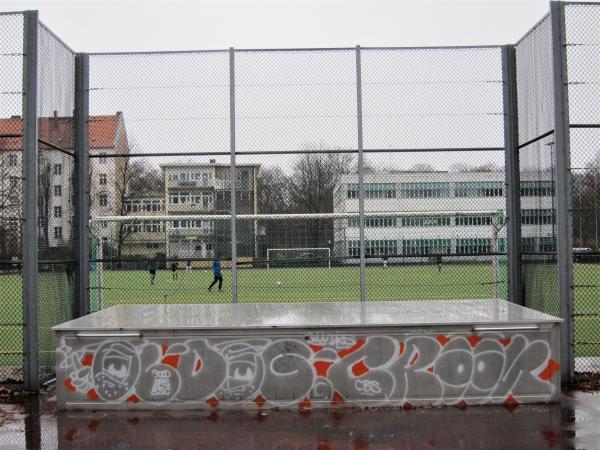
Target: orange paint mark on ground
{"type": "Point", "coordinates": [198, 365]}
{"type": "Point", "coordinates": [414, 358]}
{"type": "Point", "coordinates": [260, 401]}
{"type": "Point", "coordinates": [505, 342]}
{"type": "Point", "coordinates": [550, 370]}
{"type": "Point", "coordinates": [165, 347]}
{"type": "Point", "coordinates": [360, 368]}
{"type": "Point", "coordinates": [304, 405]}
{"type": "Point", "coordinates": [87, 359]}
{"type": "Point", "coordinates": [322, 367]}
{"type": "Point", "coordinates": [93, 425]}
{"type": "Point", "coordinates": [133, 399]}
{"type": "Point", "coordinates": [462, 404]}
{"type": "Point", "coordinates": [346, 352]}
{"type": "Point", "coordinates": [473, 340]}
{"type": "Point", "coordinates": [443, 340]}
{"type": "Point", "coordinates": [171, 360]}
{"type": "Point", "coordinates": [213, 417]}
{"type": "Point", "coordinates": [93, 395]}
{"type": "Point", "coordinates": [316, 348]}
{"type": "Point", "coordinates": [402, 347]}
{"type": "Point", "coordinates": [408, 405]}
{"type": "Point", "coordinates": [430, 369]}
{"type": "Point", "coordinates": [213, 402]}
{"type": "Point", "coordinates": [69, 385]}
{"type": "Point", "coordinates": [511, 401]}
{"type": "Point", "coordinates": [337, 399]}
{"type": "Point", "coordinates": [70, 434]}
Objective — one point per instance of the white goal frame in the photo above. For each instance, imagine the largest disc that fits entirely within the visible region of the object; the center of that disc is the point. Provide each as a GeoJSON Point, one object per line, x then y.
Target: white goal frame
{"type": "Point", "coordinates": [300, 249]}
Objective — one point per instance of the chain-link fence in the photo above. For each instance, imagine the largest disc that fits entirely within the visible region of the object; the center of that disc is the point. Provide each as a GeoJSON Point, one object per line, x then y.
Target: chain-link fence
{"type": "Point", "coordinates": [11, 202]}
{"type": "Point", "coordinates": [161, 129]}
{"type": "Point", "coordinates": [582, 23]}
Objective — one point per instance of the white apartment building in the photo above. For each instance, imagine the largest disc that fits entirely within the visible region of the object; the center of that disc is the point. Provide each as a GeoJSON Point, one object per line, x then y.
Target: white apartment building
{"type": "Point", "coordinates": [438, 213]}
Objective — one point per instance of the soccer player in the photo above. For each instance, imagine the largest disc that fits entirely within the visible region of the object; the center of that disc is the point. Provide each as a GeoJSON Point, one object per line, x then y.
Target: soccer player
{"type": "Point", "coordinates": [385, 258]}
{"type": "Point", "coordinates": [439, 263]}
{"type": "Point", "coordinates": [188, 266]}
{"type": "Point", "coordinates": [174, 270]}
{"type": "Point", "coordinates": [216, 268]}
{"type": "Point", "coordinates": [152, 271]}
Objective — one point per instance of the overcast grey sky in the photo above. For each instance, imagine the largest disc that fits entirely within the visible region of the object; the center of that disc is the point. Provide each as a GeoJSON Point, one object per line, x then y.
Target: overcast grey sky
{"type": "Point", "coordinates": [126, 25]}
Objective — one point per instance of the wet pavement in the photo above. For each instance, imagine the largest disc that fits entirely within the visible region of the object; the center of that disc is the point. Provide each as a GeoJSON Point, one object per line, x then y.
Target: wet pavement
{"type": "Point", "coordinates": [574, 423]}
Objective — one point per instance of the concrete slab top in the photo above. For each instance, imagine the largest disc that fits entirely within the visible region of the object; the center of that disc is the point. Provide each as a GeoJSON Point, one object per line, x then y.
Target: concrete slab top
{"type": "Point", "coordinates": [307, 315]}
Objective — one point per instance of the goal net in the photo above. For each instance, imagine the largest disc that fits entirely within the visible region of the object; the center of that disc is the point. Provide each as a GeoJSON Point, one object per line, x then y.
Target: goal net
{"type": "Point", "coordinates": [298, 257]}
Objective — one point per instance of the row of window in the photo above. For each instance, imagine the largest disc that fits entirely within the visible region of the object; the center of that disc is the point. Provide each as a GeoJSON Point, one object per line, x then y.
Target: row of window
{"type": "Point", "coordinates": [443, 189]}
{"type": "Point", "coordinates": [538, 244]}
{"type": "Point", "coordinates": [185, 198]}
{"type": "Point", "coordinates": [537, 217]}
{"type": "Point", "coordinates": [143, 205]}
{"type": "Point", "coordinates": [425, 221]}
{"type": "Point", "coordinates": [378, 247]}
{"type": "Point", "coordinates": [151, 226]}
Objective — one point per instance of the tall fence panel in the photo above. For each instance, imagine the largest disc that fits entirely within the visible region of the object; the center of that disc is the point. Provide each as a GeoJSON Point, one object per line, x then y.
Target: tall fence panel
{"type": "Point", "coordinates": [582, 24]}
{"type": "Point", "coordinates": [165, 201]}
{"type": "Point", "coordinates": [11, 198]}
{"type": "Point", "coordinates": [57, 232]}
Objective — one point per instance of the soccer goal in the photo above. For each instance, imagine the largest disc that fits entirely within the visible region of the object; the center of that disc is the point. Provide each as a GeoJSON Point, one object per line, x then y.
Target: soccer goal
{"type": "Point", "coordinates": [298, 257]}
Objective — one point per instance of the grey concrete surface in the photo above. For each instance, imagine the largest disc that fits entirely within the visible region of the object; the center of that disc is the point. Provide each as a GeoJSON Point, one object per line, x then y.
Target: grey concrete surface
{"type": "Point", "coordinates": [573, 423]}
{"type": "Point", "coordinates": [297, 315]}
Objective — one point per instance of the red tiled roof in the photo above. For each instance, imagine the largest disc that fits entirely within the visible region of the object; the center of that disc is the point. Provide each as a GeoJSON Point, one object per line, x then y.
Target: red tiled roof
{"type": "Point", "coordinates": [59, 131]}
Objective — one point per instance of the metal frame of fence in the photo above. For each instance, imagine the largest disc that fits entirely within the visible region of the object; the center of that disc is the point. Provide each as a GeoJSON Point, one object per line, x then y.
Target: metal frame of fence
{"type": "Point", "coordinates": [513, 150]}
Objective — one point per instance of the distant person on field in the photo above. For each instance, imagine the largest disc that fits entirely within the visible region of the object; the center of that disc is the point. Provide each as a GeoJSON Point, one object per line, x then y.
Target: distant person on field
{"type": "Point", "coordinates": [188, 266]}
{"type": "Point", "coordinates": [385, 259]}
{"type": "Point", "coordinates": [438, 261]}
{"type": "Point", "coordinates": [152, 271]}
{"type": "Point", "coordinates": [216, 268]}
{"type": "Point", "coordinates": [174, 270]}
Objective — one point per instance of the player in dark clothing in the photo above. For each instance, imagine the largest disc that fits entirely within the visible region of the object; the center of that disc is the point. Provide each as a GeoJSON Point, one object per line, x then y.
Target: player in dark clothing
{"type": "Point", "coordinates": [216, 268]}
{"type": "Point", "coordinates": [152, 271]}
{"type": "Point", "coordinates": [174, 270]}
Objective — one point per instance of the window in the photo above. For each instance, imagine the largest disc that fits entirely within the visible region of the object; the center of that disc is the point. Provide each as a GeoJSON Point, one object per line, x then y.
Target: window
{"type": "Point", "coordinates": [425, 221]}
{"type": "Point", "coordinates": [473, 220]}
{"type": "Point", "coordinates": [537, 189]}
{"type": "Point", "coordinates": [57, 190]}
{"type": "Point", "coordinates": [58, 212]}
{"type": "Point", "coordinates": [373, 190]}
{"type": "Point", "coordinates": [102, 159]}
{"type": "Point", "coordinates": [103, 199]}
{"type": "Point", "coordinates": [426, 246]}
{"type": "Point", "coordinates": [13, 160]}
{"type": "Point", "coordinates": [537, 217]}
{"type": "Point", "coordinates": [102, 179]}
{"type": "Point", "coordinates": [479, 189]}
{"type": "Point", "coordinates": [474, 245]}
{"type": "Point", "coordinates": [58, 233]}
{"type": "Point", "coordinates": [374, 247]}
{"type": "Point", "coordinates": [14, 182]}
{"type": "Point", "coordinates": [57, 169]}
{"type": "Point", "coordinates": [374, 222]}
{"type": "Point", "coordinates": [424, 190]}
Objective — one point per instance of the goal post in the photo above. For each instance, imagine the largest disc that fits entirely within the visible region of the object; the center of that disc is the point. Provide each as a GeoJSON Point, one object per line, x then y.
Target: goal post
{"type": "Point", "coordinates": [299, 257]}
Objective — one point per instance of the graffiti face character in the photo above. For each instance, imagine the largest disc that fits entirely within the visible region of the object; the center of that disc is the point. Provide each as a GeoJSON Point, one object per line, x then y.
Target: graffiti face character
{"type": "Point", "coordinates": [244, 371]}
{"type": "Point", "coordinates": [116, 369]}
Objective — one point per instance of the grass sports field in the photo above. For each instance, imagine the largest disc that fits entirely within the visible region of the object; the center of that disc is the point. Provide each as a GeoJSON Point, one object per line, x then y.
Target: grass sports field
{"type": "Point", "coordinates": [277, 285]}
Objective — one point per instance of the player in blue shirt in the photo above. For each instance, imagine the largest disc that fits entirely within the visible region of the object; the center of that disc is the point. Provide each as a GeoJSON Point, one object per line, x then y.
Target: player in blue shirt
{"type": "Point", "coordinates": [216, 268]}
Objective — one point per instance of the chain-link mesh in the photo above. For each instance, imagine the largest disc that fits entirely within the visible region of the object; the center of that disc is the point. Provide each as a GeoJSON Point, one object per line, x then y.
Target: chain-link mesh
{"type": "Point", "coordinates": [582, 23]}
{"type": "Point", "coordinates": [296, 131]}
{"type": "Point", "coordinates": [537, 166]}
{"type": "Point", "coordinates": [56, 192]}
{"type": "Point", "coordinates": [11, 204]}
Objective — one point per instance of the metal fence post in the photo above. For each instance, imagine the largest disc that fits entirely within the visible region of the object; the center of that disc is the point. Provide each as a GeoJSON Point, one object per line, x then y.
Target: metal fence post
{"type": "Point", "coordinates": [361, 178]}
{"type": "Point", "coordinates": [31, 373]}
{"type": "Point", "coordinates": [232, 175]}
{"type": "Point", "coordinates": [563, 187]}
{"type": "Point", "coordinates": [82, 181]}
{"type": "Point", "coordinates": [513, 179]}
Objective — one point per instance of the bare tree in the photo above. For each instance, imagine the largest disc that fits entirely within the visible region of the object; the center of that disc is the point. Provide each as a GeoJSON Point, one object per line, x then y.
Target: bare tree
{"type": "Point", "coordinates": [10, 207]}
{"type": "Point", "coordinates": [272, 190]}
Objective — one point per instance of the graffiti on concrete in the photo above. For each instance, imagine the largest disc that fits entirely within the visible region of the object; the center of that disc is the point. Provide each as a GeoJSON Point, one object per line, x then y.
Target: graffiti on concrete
{"type": "Point", "coordinates": [328, 369]}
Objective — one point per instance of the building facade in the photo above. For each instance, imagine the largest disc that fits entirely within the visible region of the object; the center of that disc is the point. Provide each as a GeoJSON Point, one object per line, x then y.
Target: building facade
{"type": "Point", "coordinates": [432, 213]}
